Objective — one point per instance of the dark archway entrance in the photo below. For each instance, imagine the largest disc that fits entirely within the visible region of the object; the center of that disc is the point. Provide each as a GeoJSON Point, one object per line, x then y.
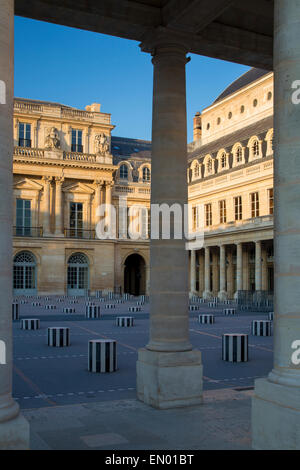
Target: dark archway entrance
{"type": "Point", "coordinates": [135, 275]}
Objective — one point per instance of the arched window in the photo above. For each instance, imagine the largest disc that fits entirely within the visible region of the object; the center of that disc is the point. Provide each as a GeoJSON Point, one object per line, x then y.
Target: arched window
{"type": "Point", "coordinates": [223, 160]}
{"type": "Point", "coordinates": [24, 275]}
{"type": "Point", "coordinates": [78, 274]}
{"type": "Point", "coordinates": [196, 170]}
{"type": "Point", "coordinates": [239, 154]}
{"type": "Point", "coordinates": [146, 174]}
{"type": "Point", "coordinates": [124, 172]}
{"type": "Point", "coordinates": [255, 148]}
{"type": "Point", "coordinates": [209, 166]}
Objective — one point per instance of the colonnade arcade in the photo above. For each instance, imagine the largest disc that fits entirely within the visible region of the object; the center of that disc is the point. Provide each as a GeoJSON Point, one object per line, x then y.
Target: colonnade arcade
{"type": "Point", "coordinates": [225, 269]}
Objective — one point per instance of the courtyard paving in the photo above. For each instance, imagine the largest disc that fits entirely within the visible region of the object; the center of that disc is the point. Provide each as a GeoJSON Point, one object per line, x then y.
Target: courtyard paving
{"type": "Point", "coordinates": [69, 407]}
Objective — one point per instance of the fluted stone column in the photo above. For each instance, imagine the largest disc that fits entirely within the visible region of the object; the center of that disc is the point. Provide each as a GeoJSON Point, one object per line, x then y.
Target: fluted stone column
{"type": "Point", "coordinates": [258, 263]}
{"type": "Point", "coordinates": [207, 292]}
{"type": "Point", "coordinates": [264, 269]}
{"type": "Point", "coordinates": [98, 199]}
{"type": "Point", "coordinates": [108, 202]}
{"type": "Point", "coordinates": [58, 206]}
{"type": "Point", "coordinates": [169, 371]}
{"type": "Point", "coordinates": [46, 211]}
{"type": "Point", "coordinates": [222, 294]}
{"type": "Point", "coordinates": [276, 403]}
{"type": "Point", "coordinates": [193, 273]}
{"type": "Point", "coordinates": [14, 430]}
{"type": "Point", "coordinates": [239, 268]}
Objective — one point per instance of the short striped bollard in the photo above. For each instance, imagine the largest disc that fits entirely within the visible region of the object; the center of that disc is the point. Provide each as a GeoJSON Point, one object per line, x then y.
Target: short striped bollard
{"type": "Point", "coordinates": [58, 336]}
{"type": "Point", "coordinates": [235, 347]}
{"type": "Point", "coordinates": [102, 355]}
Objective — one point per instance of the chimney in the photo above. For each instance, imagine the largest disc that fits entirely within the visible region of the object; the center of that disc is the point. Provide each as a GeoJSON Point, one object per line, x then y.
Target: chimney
{"type": "Point", "coordinates": [93, 108]}
{"type": "Point", "coordinates": [197, 126]}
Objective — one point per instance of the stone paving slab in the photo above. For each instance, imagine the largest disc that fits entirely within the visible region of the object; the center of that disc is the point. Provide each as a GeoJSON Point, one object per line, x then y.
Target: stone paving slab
{"type": "Point", "coordinates": [221, 423]}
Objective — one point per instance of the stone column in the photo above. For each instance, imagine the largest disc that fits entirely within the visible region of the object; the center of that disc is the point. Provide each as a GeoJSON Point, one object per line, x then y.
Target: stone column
{"type": "Point", "coordinates": [169, 371]}
{"type": "Point", "coordinates": [46, 205]}
{"type": "Point", "coordinates": [193, 273]}
{"type": "Point", "coordinates": [58, 206]}
{"type": "Point", "coordinates": [264, 269]}
{"type": "Point", "coordinates": [207, 288]}
{"type": "Point", "coordinates": [258, 262]}
{"type": "Point", "coordinates": [108, 202]}
{"type": "Point", "coordinates": [147, 279]}
{"type": "Point", "coordinates": [222, 295]}
{"type": "Point", "coordinates": [239, 268]}
{"type": "Point", "coordinates": [14, 430]}
{"type": "Point", "coordinates": [276, 403]}
{"type": "Point", "coordinates": [98, 199]}
{"type": "Point", "coordinates": [201, 273]}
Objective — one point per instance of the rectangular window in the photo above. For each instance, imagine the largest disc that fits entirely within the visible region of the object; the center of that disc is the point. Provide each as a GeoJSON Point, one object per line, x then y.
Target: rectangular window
{"type": "Point", "coordinates": [222, 211]}
{"type": "Point", "coordinates": [208, 214]}
{"type": "Point", "coordinates": [254, 204]}
{"type": "Point", "coordinates": [194, 218]}
{"type": "Point", "coordinates": [238, 211]}
{"type": "Point", "coordinates": [24, 134]}
{"type": "Point", "coordinates": [76, 219]}
{"type": "Point", "coordinates": [76, 145]}
{"type": "Point", "coordinates": [23, 217]}
{"type": "Point", "coordinates": [271, 201]}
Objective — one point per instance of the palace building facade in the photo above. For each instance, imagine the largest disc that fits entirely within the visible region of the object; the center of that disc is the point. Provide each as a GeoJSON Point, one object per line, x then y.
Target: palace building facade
{"type": "Point", "coordinates": [66, 164]}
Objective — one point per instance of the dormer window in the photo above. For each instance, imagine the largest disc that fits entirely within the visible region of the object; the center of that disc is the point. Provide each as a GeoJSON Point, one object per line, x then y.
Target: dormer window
{"type": "Point", "coordinates": [197, 170]}
{"type": "Point", "coordinates": [223, 160]}
{"type": "Point", "coordinates": [255, 148]}
{"type": "Point", "coordinates": [146, 174]}
{"type": "Point", "coordinates": [239, 154]}
{"type": "Point", "coordinates": [124, 172]}
{"type": "Point", "coordinates": [209, 166]}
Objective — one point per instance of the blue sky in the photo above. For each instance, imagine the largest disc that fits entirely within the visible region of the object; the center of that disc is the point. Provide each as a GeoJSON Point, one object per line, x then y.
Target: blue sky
{"type": "Point", "coordinates": [77, 68]}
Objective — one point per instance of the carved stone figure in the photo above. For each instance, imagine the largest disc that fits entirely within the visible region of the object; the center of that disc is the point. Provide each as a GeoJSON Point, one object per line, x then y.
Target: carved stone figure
{"type": "Point", "coordinates": [52, 141]}
{"type": "Point", "coordinates": [101, 144]}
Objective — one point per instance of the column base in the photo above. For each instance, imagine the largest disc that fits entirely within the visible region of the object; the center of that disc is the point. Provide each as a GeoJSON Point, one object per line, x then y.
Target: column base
{"type": "Point", "coordinates": [169, 380]}
{"type": "Point", "coordinates": [15, 434]}
{"type": "Point", "coordinates": [222, 295]}
{"type": "Point", "coordinates": [207, 295]}
{"type": "Point", "coordinates": [275, 416]}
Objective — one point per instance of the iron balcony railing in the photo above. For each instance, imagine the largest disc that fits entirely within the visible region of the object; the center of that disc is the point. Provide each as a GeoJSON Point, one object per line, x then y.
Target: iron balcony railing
{"type": "Point", "coordinates": [79, 233]}
{"type": "Point", "coordinates": [28, 231]}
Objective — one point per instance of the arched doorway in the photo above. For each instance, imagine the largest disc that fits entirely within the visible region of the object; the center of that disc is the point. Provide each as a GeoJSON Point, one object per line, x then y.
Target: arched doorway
{"type": "Point", "coordinates": [24, 280]}
{"type": "Point", "coordinates": [135, 275]}
{"type": "Point", "coordinates": [78, 274]}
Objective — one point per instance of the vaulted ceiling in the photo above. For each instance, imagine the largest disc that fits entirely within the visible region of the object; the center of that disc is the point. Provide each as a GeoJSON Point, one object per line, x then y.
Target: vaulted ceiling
{"type": "Point", "coordinates": [235, 30]}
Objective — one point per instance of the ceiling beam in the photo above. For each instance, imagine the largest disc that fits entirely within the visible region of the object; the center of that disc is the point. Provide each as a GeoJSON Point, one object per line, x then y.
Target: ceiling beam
{"type": "Point", "coordinates": [235, 45]}
{"type": "Point", "coordinates": [193, 15]}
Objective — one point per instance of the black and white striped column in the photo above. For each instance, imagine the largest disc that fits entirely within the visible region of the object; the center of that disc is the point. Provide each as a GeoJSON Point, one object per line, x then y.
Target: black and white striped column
{"type": "Point", "coordinates": [36, 304]}
{"type": "Point", "coordinates": [68, 310]}
{"type": "Point", "coordinates": [92, 311]}
{"type": "Point", "coordinates": [58, 336]}
{"type": "Point", "coordinates": [125, 321]}
{"type": "Point", "coordinates": [229, 311]}
{"type": "Point", "coordinates": [271, 316]}
{"type": "Point", "coordinates": [193, 308]}
{"type": "Point", "coordinates": [134, 309]}
{"type": "Point", "coordinates": [15, 311]}
{"type": "Point", "coordinates": [206, 318]}
{"type": "Point", "coordinates": [50, 307]}
{"type": "Point", "coordinates": [98, 294]}
{"type": "Point", "coordinates": [212, 304]}
{"type": "Point", "coordinates": [261, 327]}
{"type": "Point", "coordinates": [110, 306]}
{"type": "Point", "coordinates": [30, 324]}
{"type": "Point", "coordinates": [102, 355]}
{"type": "Point", "coordinates": [235, 347]}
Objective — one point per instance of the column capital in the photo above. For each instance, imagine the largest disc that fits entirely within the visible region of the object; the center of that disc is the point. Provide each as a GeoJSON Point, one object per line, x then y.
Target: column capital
{"type": "Point", "coordinates": [161, 42]}
{"type": "Point", "coordinates": [98, 182]}
{"type": "Point", "coordinates": [59, 179]}
{"type": "Point", "coordinates": [47, 179]}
